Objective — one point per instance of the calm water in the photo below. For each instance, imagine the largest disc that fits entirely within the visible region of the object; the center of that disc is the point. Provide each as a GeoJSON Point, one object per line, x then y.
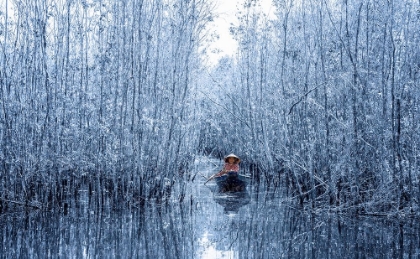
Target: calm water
{"type": "Point", "coordinates": [256, 225]}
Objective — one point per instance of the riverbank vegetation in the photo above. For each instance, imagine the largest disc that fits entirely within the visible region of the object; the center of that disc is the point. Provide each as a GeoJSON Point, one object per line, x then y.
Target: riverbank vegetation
{"type": "Point", "coordinates": [96, 93]}
{"type": "Point", "coordinates": [113, 96]}
{"type": "Point", "coordinates": [325, 99]}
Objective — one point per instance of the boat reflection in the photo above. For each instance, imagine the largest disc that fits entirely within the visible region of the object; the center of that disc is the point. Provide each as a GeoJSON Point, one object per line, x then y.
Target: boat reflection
{"type": "Point", "coordinates": [232, 201]}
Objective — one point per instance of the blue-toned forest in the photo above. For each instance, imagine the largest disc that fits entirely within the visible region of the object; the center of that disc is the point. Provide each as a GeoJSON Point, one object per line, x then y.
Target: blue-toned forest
{"type": "Point", "coordinates": [118, 96]}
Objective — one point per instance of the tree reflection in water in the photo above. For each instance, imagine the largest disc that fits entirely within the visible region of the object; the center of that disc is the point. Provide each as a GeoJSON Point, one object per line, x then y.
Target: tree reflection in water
{"type": "Point", "coordinates": [261, 225]}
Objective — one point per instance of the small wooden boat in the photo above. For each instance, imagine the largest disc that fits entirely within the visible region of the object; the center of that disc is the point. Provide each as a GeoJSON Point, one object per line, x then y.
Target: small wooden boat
{"type": "Point", "coordinates": [232, 182]}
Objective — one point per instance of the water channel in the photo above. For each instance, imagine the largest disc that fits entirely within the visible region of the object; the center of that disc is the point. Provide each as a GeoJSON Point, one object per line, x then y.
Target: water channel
{"type": "Point", "coordinates": [258, 224]}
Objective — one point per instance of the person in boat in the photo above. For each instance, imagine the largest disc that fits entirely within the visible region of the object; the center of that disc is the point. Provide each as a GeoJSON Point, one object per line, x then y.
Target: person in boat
{"type": "Point", "coordinates": [231, 165]}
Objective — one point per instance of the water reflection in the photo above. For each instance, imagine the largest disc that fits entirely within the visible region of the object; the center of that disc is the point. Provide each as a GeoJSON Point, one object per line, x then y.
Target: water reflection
{"type": "Point", "coordinates": [232, 202]}
{"type": "Point", "coordinates": [208, 226]}
{"type": "Point", "coordinates": [178, 233]}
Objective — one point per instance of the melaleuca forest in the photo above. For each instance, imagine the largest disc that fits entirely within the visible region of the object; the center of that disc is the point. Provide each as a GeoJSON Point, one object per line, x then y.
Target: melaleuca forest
{"type": "Point", "coordinates": [117, 116]}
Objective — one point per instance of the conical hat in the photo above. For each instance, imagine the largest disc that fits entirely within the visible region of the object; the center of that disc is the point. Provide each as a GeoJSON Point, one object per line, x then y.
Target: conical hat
{"type": "Point", "coordinates": [234, 156]}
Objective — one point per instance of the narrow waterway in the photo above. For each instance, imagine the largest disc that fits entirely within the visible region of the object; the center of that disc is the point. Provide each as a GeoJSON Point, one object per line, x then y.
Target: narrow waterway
{"type": "Point", "coordinates": [257, 224]}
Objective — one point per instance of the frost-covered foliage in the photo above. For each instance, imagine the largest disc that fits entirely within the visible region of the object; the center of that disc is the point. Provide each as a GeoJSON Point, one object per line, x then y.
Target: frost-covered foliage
{"type": "Point", "coordinates": [109, 94]}
{"type": "Point", "coordinates": [325, 97]}
{"type": "Point", "coordinates": [98, 93]}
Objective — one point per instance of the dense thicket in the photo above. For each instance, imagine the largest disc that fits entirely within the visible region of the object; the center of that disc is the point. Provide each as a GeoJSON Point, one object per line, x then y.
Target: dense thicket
{"type": "Point", "coordinates": [325, 97]}
{"type": "Point", "coordinates": [109, 95]}
{"type": "Point", "coordinates": [96, 93]}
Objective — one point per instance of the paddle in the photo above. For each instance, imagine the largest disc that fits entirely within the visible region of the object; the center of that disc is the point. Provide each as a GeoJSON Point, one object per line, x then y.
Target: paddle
{"type": "Point", "coordinates": [211, 177]}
